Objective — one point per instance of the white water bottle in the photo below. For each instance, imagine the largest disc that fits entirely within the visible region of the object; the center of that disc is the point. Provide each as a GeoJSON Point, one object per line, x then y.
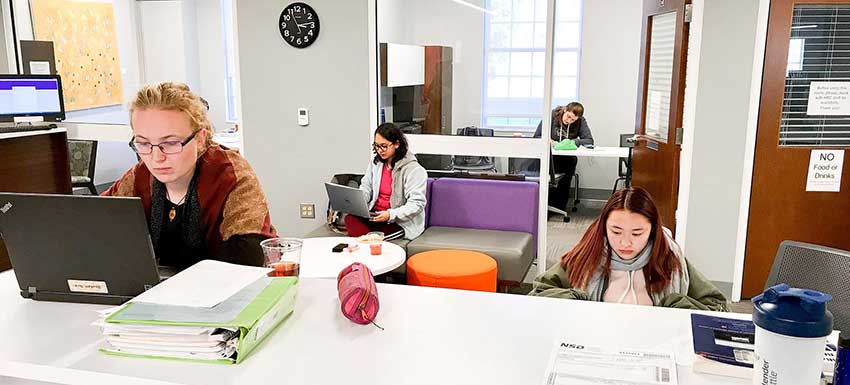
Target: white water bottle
{"type": "Point", "coordinates": [791, 330]}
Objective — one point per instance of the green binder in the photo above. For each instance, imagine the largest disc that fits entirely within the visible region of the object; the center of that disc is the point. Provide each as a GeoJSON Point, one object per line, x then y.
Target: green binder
{"type": "Point", "coordinates": [273, 301]}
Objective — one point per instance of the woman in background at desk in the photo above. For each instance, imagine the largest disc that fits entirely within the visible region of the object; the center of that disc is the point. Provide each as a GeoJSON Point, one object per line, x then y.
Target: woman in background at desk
{"type": "Point", "coordinates": [394, 185]}
{"type": "Point", "coordinates": [202, 200]}
{"type": "Point", "coordinates": [627, 256]}
{"type": "Point", "coordinates": [568, 122]}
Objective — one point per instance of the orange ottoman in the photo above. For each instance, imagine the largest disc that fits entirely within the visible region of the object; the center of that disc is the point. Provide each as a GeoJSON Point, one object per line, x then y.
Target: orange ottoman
{"type": "Point", "coordinates": [453, 269]}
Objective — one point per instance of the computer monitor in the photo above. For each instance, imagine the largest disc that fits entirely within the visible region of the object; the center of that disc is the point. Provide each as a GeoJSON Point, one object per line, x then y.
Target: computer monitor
{"type": "Point", "coordinates": [31, 98]}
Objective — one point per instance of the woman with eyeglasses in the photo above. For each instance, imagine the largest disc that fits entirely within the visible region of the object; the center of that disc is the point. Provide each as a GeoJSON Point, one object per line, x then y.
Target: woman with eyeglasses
{"type": "Point", "coordinates": [394, 186]}
{"type": "Point", "coordinates": [202, 200]}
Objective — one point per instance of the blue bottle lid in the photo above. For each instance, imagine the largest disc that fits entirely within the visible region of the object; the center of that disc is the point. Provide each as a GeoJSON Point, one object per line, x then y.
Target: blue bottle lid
{"type": "Point", "coordinates": [793, 312]}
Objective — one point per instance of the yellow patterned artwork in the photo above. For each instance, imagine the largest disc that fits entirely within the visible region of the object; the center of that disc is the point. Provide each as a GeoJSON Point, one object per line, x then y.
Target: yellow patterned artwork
{"type": "Point", "coordinates": [86, 50]}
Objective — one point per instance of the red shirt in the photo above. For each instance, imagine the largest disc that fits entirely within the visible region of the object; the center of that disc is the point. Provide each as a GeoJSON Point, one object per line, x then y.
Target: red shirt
{"type": "Point", "coordinates": [386, 189]}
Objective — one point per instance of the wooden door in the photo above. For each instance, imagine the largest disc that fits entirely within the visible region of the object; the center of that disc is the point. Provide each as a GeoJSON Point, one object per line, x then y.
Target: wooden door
{"type": "Point", "coordinates": [806, 41]}
{"type": "Point", "coordinates": [661, 91]}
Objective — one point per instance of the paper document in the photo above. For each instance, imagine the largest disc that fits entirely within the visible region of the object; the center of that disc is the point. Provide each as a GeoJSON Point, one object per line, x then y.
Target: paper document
{"type": "Point", "coordinates": [204, 284]}
{"type": "Point", "coordinates": [40, 67]}
{"type": "Point", "coordinates": [576, 364]}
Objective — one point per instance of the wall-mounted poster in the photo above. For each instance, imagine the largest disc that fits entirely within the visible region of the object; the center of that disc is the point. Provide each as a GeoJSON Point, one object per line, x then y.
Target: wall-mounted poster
{"type": "Point", "coordinates": [86, 49]}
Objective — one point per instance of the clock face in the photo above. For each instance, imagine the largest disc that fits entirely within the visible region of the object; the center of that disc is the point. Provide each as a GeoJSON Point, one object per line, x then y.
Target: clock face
{"type": "Point", "coordinates": [299, 25]}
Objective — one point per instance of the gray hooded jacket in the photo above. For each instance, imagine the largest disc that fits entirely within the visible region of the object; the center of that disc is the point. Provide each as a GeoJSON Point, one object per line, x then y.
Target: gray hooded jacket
{"type": "Point", "coordinates": [407, 201]}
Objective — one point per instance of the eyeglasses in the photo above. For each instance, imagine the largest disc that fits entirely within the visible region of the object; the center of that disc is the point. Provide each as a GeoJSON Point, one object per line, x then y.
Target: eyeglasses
{"type": "Point", "coordinates": [381, 147]}
{"type": "Point", "coordinates": [169, 147]}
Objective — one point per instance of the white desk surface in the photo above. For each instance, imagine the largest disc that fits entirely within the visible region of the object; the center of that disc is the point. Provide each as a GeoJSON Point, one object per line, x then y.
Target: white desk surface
{"type": "Point", "coordinates": [318, 261]}
{"type": "Point", "coordinates": [432, 336]}
{"type": "Point", "coordinates": [10, 135]}
{"type": "Point", "coordinates": [596, 152]}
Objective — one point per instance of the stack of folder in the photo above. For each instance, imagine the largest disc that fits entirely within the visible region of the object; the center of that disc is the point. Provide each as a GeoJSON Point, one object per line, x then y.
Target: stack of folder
{"type": "Point", "coordinates": [224, 333]}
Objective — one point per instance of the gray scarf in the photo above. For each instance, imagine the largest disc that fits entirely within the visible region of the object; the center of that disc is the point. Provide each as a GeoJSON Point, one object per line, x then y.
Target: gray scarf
{"type": "Point", "coordinates": [679, 281]}
{"type": "Point", "coordinates": [633, 264]}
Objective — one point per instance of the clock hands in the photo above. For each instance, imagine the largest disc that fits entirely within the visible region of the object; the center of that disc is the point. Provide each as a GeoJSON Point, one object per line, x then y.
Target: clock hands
{"type": "Point", "coordinates": [295, 19]}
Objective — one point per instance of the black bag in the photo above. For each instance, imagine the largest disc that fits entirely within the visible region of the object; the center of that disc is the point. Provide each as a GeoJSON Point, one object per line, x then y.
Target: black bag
{"type": "Point", "coordinates": [470, 162]}
{"type": "Point", "coordinates": [336, 219]}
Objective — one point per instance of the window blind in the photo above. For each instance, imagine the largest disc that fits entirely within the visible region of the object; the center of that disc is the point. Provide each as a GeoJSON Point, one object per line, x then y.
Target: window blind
{"type": "Point", "coordinates": [819, 51]}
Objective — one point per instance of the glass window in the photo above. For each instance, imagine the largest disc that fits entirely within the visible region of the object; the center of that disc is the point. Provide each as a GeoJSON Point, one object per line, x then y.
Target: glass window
{"type": "Point", "coordinates": [524, 94]}
{"type": "Point", "coordinates": [818, 64]}
{"type": "Point", "coordinates": [483, 59]}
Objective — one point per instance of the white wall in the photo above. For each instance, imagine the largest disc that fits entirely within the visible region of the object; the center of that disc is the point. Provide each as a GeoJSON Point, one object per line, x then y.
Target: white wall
{"type": "Point", "coordinates": [331, 78]}
{"type": "Point", "coordinates": [608, 80]}
{"type": "Point", "coordinates": [721, 108]}
{"type": "Point", "coordinates": [445, 23]}
{"type": "Point", "coordinates": [4, 64]}
{"type": "Point", "coordinates": [211, 60]}
{"type": "Point", "coordinates": [165, 41]}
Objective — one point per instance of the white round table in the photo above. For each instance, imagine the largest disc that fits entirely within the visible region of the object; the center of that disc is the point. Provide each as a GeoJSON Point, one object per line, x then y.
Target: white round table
{"type": "Point", "coordinates": [318, 261]}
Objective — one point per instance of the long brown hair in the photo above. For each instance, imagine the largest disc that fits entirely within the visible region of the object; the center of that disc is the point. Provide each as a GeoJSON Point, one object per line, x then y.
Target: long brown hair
{"type": "Point", "coordinates": [584, 259]}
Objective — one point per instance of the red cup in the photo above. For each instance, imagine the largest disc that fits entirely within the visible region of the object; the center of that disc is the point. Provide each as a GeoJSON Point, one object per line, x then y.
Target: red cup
{"type": "Point", "coordinates": [375, 248]}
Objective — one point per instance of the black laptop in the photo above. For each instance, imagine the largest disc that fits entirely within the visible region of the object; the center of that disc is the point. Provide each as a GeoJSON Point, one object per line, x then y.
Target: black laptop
{"type": "Point", "coordinates": [75, 248]}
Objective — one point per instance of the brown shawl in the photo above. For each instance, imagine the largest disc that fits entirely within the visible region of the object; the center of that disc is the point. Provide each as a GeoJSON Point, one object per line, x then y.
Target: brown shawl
{"type": "Point", "coordinates": [225, 189]}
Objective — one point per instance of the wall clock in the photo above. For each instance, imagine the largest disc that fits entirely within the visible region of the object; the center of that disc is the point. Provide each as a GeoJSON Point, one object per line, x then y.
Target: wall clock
{"type": "Point", "coordinates": [299, 25]}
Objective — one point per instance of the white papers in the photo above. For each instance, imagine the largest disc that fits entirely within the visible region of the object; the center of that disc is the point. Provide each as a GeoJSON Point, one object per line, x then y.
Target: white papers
{"type": "Point", "coordinates": [653, 113]}
{"type": "Point", "coordinates": [829, 98]}
{"type": "Point", "coordinates": [576, 364]}
{"type": "Point", "coordinates": [190, 342]}
{"type": "Point", "coordinates": [205, 284]}
{"type": "Point", "coordinates": [825, 168]}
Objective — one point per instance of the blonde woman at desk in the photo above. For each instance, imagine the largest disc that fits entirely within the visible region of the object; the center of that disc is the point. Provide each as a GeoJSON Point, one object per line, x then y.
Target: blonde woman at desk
{"type": "Point", "coordinates": [202, 200]}
{"type": "Point", "coordinates": [627, 256]}
{"type": "Point", "coordinates": [568, 122]}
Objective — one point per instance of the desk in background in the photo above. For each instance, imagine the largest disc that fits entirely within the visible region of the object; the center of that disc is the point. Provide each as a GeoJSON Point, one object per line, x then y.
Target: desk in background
{"type": "Point", "coordinates": [431, 336]}
{"type": "Point", "coordinates": [596, 152]}
{"type": "Point", "coordinates": [33, 162]}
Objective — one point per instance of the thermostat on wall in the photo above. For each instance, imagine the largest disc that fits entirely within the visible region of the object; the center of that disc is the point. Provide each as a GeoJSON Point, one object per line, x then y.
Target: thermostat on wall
{"type": "Point", "coordinates": [303, 117]}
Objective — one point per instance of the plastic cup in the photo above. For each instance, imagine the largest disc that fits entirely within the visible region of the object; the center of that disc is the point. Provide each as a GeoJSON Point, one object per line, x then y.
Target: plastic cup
{"type": "Point", "coordinates": [376, 242]}
{"type": "Point", "coordinates": [283, 255]}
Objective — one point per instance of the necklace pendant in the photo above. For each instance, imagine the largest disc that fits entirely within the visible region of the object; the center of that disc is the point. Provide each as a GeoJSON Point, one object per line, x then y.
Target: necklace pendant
{"type": "Point", "coordinates": [172, 214]}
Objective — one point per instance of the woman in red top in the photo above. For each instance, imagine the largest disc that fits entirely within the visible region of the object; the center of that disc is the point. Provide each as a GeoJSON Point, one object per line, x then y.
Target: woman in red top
{"type": "Point", "coordinates": [394, 187]}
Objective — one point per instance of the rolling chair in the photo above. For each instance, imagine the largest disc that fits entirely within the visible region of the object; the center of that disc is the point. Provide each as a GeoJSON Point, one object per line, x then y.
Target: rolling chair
{"type": "Point", "coordinates": [625, 164]}
{"type": "Point", "coordinates": [474, 163]}
{"type": "Point", "coordinates": [82, 154]}
{"type": "Point", "coordinates": [818, 268]}
{"type": "Point", "coordinates": [553, 182]}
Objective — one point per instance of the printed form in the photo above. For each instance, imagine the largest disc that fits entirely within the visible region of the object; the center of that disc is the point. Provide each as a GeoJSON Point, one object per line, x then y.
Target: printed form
{"type": "Point", "coordinates": [577, 364]}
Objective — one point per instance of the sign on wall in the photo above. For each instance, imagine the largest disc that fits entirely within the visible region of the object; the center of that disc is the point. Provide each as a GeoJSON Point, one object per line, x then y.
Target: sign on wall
{"type": "Point", "coordinates": [825, 167]}
{"type": "Point", "coordinates": [829, 98]}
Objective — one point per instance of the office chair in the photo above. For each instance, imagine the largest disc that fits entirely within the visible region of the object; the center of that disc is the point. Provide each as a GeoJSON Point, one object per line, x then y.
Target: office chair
{"type": "Point", "coordinates": [474, 163]}
{"type": "Point", "coordinates": [82, 154]}
{"type": "Point", "coordinates": [818, 268]}
{"type": "Point", "coordinates": [624, 167]}
{"type": "Point", "coordinates": [554, 179]}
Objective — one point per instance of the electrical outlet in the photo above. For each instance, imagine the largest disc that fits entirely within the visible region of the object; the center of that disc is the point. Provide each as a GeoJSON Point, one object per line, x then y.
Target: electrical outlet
{"type": "Point", "coordinates": [308, 210]}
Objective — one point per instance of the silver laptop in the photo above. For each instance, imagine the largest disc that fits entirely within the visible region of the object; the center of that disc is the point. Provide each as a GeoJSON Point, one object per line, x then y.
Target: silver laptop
{"type": "Point", "coordinates": [74, 248]}
{"type": "Point", "coordinates": [348, 200]}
